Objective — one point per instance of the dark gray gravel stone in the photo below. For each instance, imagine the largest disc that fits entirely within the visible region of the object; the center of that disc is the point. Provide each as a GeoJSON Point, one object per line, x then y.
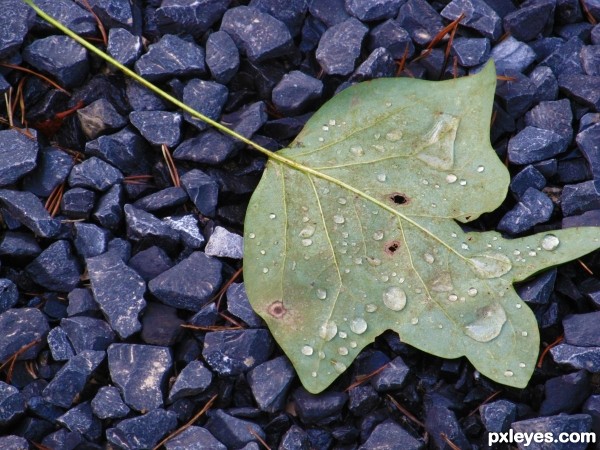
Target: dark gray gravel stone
{"type": "Point", "coordinates": [56, 268]}
{"type": "Point", "coordinates": [108, 404]}
{"type": "Point", "coordinates": [206, 97]}
{"type": "Point", "coordinates": [362, 399]}
{"type": "Point", "coordinates": [171, 57]}
{"type": "Point", "coordinates": [479, 16]}
{"type": "Point", "coordinates": [471, 52]}
{"type": "Point", "coordinates": [592, 407]}
{"type": "Point", "coordinates": [534, 144]}
{"type": "Point", "coordinates": [18, 154]}
{"type": "Point", "coordinates": [160, 325]}
{"type": "Point", "coordinates": [194, 438]}
{"type": "Point", "coordinates": [527, 178]}
{"type": "Point", "coordinates": [516, 96]}
{"type": "Point", "coordinates": [538, 290]}
{"type": "Point", "coordinates": [533, 18]}
{"type": "Point", "coordinates": [231, 353]}
{"type": "Point", "coordinates": [53, 167]}
{"type": "Point", "coordinates": [563, 423]}
{"type": "Point", "coordinates": [239, 305]}
{"type": "Point", "coordinates": [193, 17]}
{"type": "Point", "coordinates": [512, 55]}
{"type": "Point", "coordinates": [80, 419]}
{"type": "Point", "coordinates": [421, 21]}
{"type": "Point", "coordinates": [497, 416]}
{"type": "Point", "coordinates": [534, 207]}
{"type": "Point", "coordinates": [123, 46]}
{"type": "Point", "coordinates": [587, 358]}
{"type": "Point", "coordinates": [60, 347]}
{"type": "Point", "coordinates": [150, 263]}
{"type": "Point", "coordinates": [440, 421]}
{"type": "Point", "coordinates": [340, 46]}
{"type": "Point", "coordinates": [126, 150]}
{"type": "Point", "coordinates": [224, 244]}
{"type": "Point", "coordinates": [584, 89]}
{"type": "Point", "coordinates": [330, 12]}
{"type": "Point", "coordinates": [580, 197]}
{"type": "Point", "coordinates": [270, 383]}
{"type": "Point", "coordinates": [588, 141]}
{"type": "Point", "coordinates": [21, 327]}
{"type": "Point", "coordinates": [12, 403]}
{"type": "Point", "coordinates": [145, 228]}
{"type": "Point", "coordinates": [9, 295]}
{"type": "Point", "coordinates": [119, 291]}
{"type": "Point", "coordinates": [373, 10]}
{"type": "Point", "coordinates": [295, 438]}
{"type": "Point", "coordinates": [222, 56]}
{"type": "Point", "coordinates": [29, 210]}
{"type": "Point", "coordinates": [379, 64]}
{"type": "Point", "coordinates": [72, 15]}
{"type": "Point", "coordinates": [19, 245]}
{"type": "Point", "coordinates": [565, 394]}
{"type": "Point", "coordinates": [555, 116]}
{"type": "Point", "coordinates": [81, 302]}
{"type": "Point", "coordinates": [564, 59]}
{"type": "Point", "coordinates": [258, 35]}
{"type": "Point", "coordinates": [114, 13]}
{"type": "Point", "coordinates": [546, 84]}
{"type": "Point", "coordinates": [95, 174]}
{"type": "Point", "coordinates": [109, 211]}
{"type": "Point", "coordinates": [12, 442]}
{"type": "Point", "coordinates": [15, 21]}
{"type": "Point", "coordinates": [192, 380]}
{"type": "Point", "coordinates": [315, 408]}
{"type": "Point", "coordinates": [209, 147]}
{"type": "Point", "coordinates": [141, 373]}
{"type": "Point", "coordinates": [142, 432]}
{"type": "Point", "coordinates": [582, 329]}
{"type": "Point", "coordinates": [100, 117]}
{"type": "Point", "coordinates": [72, 378]}
{"type": "Point", "coordinates": [87, 333]}
{"type": "Point", "coordinates": [188, 229]}
{"type": "Point", "coordinates": [163, 199]}
{"type": "Point", "coordinates": [61, 57]}
{"type": "Point", "coordinates": [296, 92]}
{"type": "Point", "coordinates": [176, 288]}
{"type": "Point", "coordinates": [90, 240]}
{"type": "Point", "coordinates": [158, 127]}
{"type": "Point", "coordinates": [392, 377]}
{"type": "Point", "coordinates": [77, 203]}
{"type": "Point", "coordinates": [202, 190]}
{"type": "Point", "coordinates": [390, 435]}
{"type": "Point", "coordinates": [231, 431]}
{"type": "Point", "coordinates": [290, 12]}
{"type": "Point", "coordinates": [391, 36]}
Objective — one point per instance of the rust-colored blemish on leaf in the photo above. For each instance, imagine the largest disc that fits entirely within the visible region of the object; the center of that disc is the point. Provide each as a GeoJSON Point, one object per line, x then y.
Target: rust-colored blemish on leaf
{"type": "Point", "coordinates": [391, 247]}
{"type": "Point", "coordinates": [277, 310]}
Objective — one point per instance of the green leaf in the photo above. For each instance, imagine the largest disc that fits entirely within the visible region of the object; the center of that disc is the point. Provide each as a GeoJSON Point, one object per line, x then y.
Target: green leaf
{"type": "Point", "coordinates": [360, 235]}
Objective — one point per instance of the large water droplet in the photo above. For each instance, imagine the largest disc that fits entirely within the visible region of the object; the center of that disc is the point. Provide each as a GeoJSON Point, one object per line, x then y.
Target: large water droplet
{"type": "Point", "coordinates": [452, 297]}
{"type": "Point", "coordinates": [490, 265]}
{"type": "Point", "coordinates": [370, 307]}
{"type": "Point", "coordinates": [307, 350]}
{"type": "Point", "coordinates": [306, 242]}
{"type": "Point", "coordinates": [272, 216]}
{"type": "Point", "coordinates": [338, 219]}
{"type": "Point", "coordinates": [381, 177]}
{"type": "Point", "coordinates": [251, 235]}
{"type": "Point", "coordinates": [488, 324]}
{"type": "Point", "coordinates": [343, 351]}
{"type": "Point", "coordinates": [307, 231]}
{"type": "Point", "coordinates": [480, 169]}
{"type": "Point", "coordinates": [414, 320]}
{"type": "Point", "coordinates": [428, 257]}
{"type": "Point", "coordinates": [321, 294]}
{"type": "Point", "coordinates": [524, 333]}
{"type": "Point", "coordinates": [343, 334]}
{"type": "Point", "coordinates": [394, 298]}
{"type": "Point", "coordinates": [265, 270]}
{"type": "Point", "coordinates": [451, 178]}
{"type": "Point", "coordinates": [438, 146]}
{"type": "Point", "coordinates": [472, 292]}
{"type": "Point", "coordinates": [358, 325]}
{"type": "Point", "coordinates": [342, 201]}
{"type": "Point", "coordinates": [550, 242]}
{"type": "Point", "coordinates": [328, 330]}
{"type": "Point", "coordinates": [508, 373]}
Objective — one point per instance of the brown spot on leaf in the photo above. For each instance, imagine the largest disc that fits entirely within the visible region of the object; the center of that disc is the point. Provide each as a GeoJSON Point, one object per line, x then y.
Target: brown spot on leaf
{"type": "Point", "coordinates": [277, 310]}
{"type": "Point", "coordinates": [391, 247]}
{"type": "Point", "coordinates": [398, 198]}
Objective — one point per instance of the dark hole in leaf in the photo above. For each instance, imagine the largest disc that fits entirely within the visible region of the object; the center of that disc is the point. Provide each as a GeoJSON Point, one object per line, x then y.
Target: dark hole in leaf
{"type": "Point", "coordinates": [398, 198]}
{"type": "Point", "coordinates": [391, 247]}
{"type": "Point", "coordinates": [277, 310]}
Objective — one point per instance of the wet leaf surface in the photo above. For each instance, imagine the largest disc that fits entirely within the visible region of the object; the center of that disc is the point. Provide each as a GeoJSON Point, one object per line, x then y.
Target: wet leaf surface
{"type": "Point", "coordinates": [360, 233]}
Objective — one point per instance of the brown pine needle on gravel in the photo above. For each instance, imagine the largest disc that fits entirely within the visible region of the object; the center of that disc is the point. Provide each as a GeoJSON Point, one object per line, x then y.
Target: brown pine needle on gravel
{"type": "Point", "coordinates": [11, 360]}
{"type": "Point", "coordinates": [199, 414]}
{"type": "Point", "coordinates": [258, 438]}
{"type": "Point", "coordinates": [451, 444]}
{"type": "Point", "coordinates": [39, 75]}
{"type": "Point", "coordinates": [406, 412]}
{"type": "Point", "coordinates": [488, 399]}
{"type": "Point", "coordinates": [53, 202]}
{"type": "Point", "coordinates": [549, 347]}
{"type": "Point", "coordinates": [364, 378]}
{"type": "Point", "coordinates": [585, 267]}
{"type": "Point", "coordinates": [170, 165]}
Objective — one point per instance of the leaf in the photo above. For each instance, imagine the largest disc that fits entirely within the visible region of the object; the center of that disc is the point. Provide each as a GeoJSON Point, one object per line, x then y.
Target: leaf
{"type": "Point", "coordinates": [353, 231]}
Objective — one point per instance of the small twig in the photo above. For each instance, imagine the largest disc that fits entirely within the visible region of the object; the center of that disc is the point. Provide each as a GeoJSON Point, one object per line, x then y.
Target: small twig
{"type": "Point", "coordinates": [219, 295]}
{"type": "Point", "coordinates": [585, 267]}
{"type": "Point", "coordinates": [439, 37]}
{"type": "Point", "coordinates": [261, 440]}
{"type": "Point", "coordinates": [53, 202]}
{"type": "Point", "coordinates": [489, 398]}
{"type": "Point", "coordinates": [11, 360]}
{"type": "Point", "coordinates": [406, 412]}
{"type": "Point", "coordinates": [402, 63]}
{"type": "Point", "coordinates": [588, 15]}
{"type": "Point", "coordinates": [189, 423]}
{"type": "Point", "coordinates": [39, 75]}
{"type": "Point", "coordinates": [363, 378]}
{"type": "Point", "coordinates": [557, 341]}
{"type": "Point", "coordinates": [452, 445]}
{"type": "Point", "coordinates": [98, 22]}
{"type": "Point", "coordinates": [189, 326]}
{"type": "Point", "coordinates": [170, 165]}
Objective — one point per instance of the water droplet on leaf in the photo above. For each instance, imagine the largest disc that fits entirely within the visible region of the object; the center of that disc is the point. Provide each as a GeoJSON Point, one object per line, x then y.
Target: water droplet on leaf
{"type": "Point", "coordinates": [307, 350]}
{"type": "Point", "coordinates": [394, 298]}
{"type": "Point", "coordinates": [488, 324]}
{"type": "Point", "coordinates": [550, 242]}
{"type": "Point", "coordinates": [328, 330]}
{"type": "Point", "coordinates": [321, 294]}
{"type": "Point", "coordinates": [307, 242]}
{"type": "Point", "coordinates": [339, 219]}
{"type": "Point", "coordinates": [358, 325]}
{"type": "Point", "coordinates": [490, 265]}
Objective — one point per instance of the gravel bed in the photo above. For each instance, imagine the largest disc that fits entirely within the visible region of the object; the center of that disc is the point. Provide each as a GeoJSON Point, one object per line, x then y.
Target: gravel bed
{"type": "Point", "coordinates": [123, 313]}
